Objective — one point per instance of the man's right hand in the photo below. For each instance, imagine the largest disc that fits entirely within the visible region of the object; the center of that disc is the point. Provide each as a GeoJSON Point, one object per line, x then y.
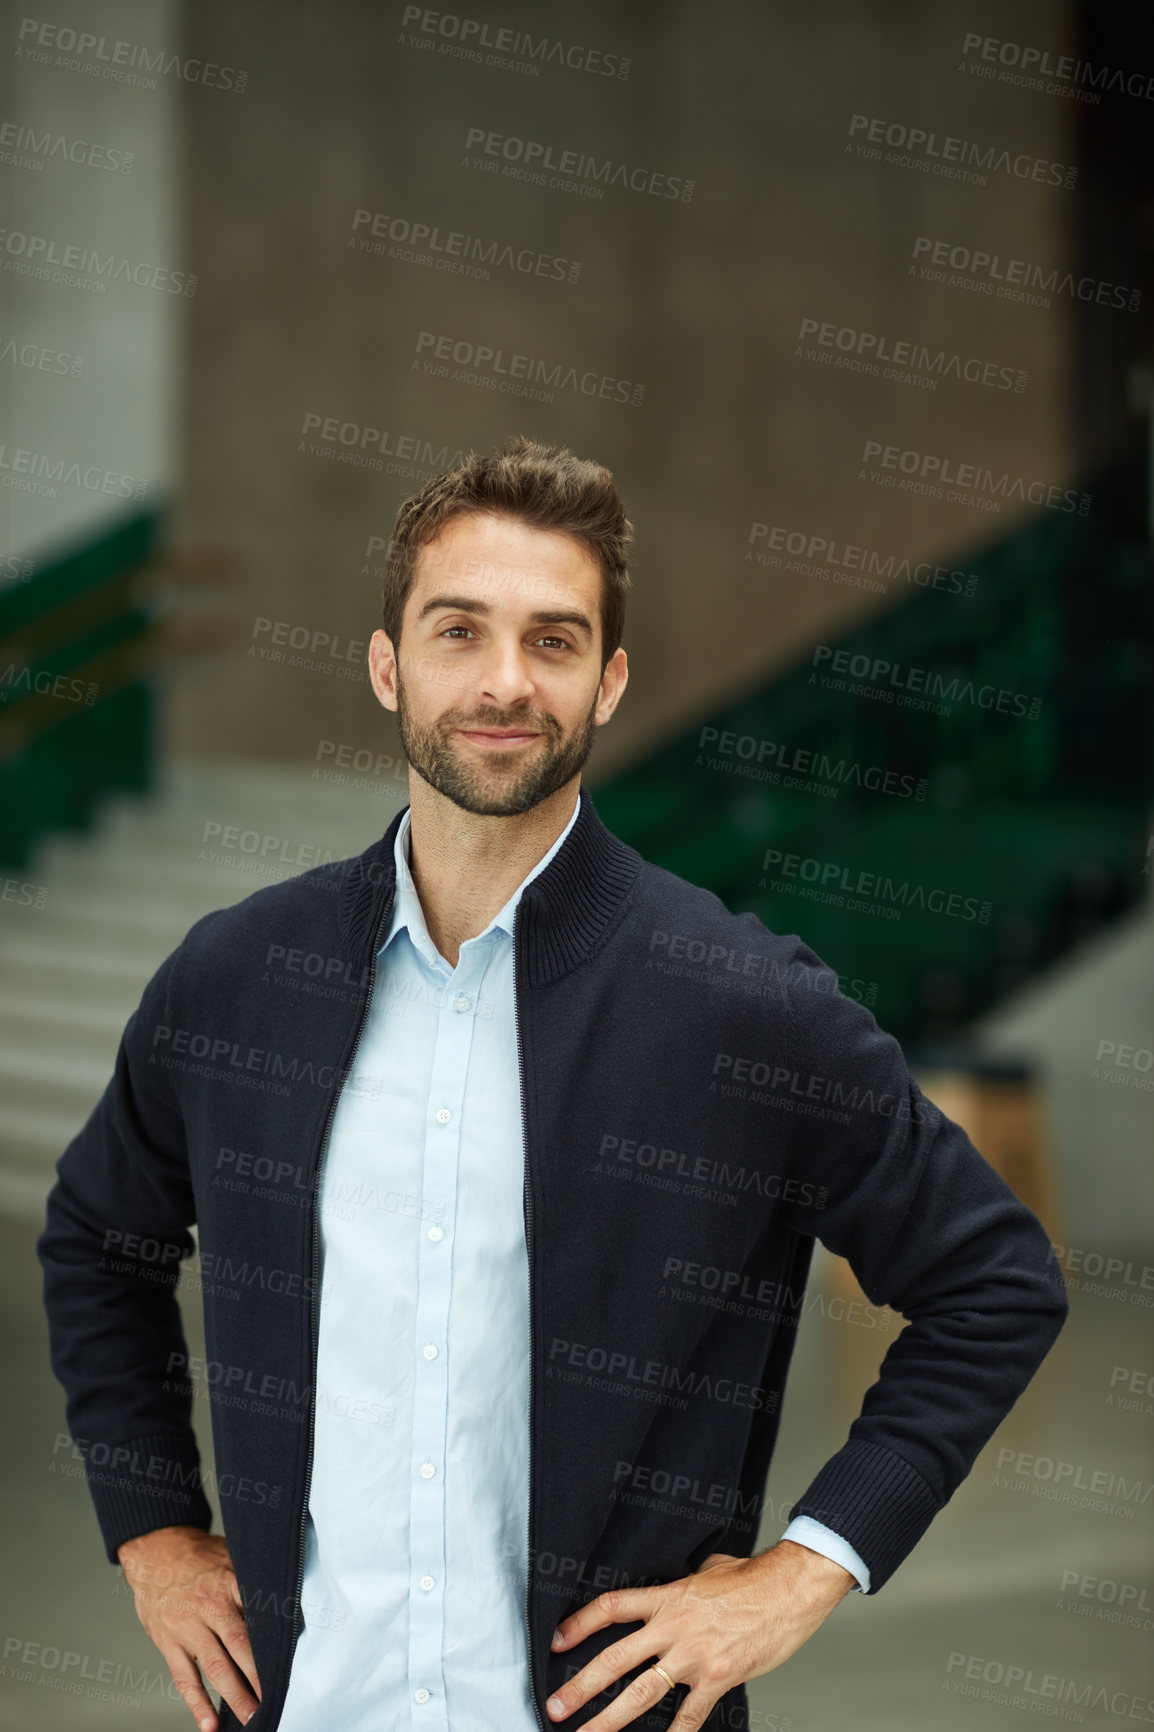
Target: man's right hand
{"type": "Point", "coordinates": [188, 1599]}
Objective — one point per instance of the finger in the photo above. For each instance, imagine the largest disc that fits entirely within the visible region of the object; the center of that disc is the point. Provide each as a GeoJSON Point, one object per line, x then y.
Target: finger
{"type": "Point", "coordinates": [615, 1606]}
{"type": "Point", "coordinates": [218, 1668]}
{"type": "Point", "coordinates": [187, 1679]}
{"type": "Point", "coordinates": [694, 1711]}
{"type": "Point", "coordinates": [637, 1698]}
{"type": "Point", "coordinates": [604, 1669]}
{"type": "Point", "coordinates": [233, 1633]}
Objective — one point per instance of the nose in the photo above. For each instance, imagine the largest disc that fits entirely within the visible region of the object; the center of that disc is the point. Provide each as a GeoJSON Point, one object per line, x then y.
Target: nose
{"type": "Point", "coordinates": [505, 678]}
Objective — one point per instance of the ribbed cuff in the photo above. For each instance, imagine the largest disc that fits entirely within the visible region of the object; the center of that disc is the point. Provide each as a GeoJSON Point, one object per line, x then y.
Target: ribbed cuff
{"type": "Point", "coordinates": [149, 1482]}
{"type": "Point", "coordinates": [876, 1501]}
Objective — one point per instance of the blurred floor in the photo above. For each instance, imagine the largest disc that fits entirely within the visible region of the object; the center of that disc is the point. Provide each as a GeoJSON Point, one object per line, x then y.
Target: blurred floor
{"type": "Point", "coordinates": [985, 1584]}
{"type": "Point", "coordinates": [59, 1591]}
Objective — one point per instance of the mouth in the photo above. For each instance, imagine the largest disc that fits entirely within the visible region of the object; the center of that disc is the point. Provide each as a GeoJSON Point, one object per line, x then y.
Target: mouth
{"type": "Point", "coordinates": [503, 739]}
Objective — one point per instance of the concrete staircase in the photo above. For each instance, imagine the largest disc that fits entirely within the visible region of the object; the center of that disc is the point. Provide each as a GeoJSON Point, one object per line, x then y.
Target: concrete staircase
{"type": "Point", "coordinates": [115, 904]}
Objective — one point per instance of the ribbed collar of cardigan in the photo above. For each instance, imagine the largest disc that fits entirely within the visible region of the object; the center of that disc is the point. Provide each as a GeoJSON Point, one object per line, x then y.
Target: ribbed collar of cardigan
{"type": "Point", "coordinates": [567, 910]}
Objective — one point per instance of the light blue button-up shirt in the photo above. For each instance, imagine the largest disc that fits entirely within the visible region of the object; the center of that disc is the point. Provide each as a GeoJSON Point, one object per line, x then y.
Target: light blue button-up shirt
{"type": "Point", "coordinates": [416, 1544]}
{"type": "Point", "coordinates": [416, 1538]}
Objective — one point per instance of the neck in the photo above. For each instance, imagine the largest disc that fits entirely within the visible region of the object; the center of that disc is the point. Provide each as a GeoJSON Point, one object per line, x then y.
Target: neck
{"type": "Point", "coordinates": [465, 867]}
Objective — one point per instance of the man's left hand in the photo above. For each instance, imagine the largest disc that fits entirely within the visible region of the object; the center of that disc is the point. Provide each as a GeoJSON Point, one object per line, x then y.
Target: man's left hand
{"type": "Point", "coordinates": [733, 1620]}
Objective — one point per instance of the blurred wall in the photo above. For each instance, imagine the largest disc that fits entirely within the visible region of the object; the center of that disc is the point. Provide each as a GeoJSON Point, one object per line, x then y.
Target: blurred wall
{"type": "Point", "coordinates": [1087, 1025]}
{"type": "Point", "coordinates": [91, 276]}
{"type": "Point", "coordinates": [301, 317]}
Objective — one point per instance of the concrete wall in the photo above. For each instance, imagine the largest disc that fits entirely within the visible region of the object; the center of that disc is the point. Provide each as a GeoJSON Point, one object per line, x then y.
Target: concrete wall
{"type": "Point", "coordinates": [89, 368]}
{"type": "Point", "coordinates": [1088, 1025]}
{"type": "Point", "coordinates": [700, 300]}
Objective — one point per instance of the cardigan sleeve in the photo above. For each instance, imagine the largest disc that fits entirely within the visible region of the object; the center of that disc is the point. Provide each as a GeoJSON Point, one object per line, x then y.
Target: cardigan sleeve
{"type": "Point", "coordinates": [930, 1229]}
{"type": "Point", "coordinates": [115, 1235]}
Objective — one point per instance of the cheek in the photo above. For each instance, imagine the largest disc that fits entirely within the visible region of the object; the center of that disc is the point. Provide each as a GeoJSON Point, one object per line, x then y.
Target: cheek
{"type": "Point", "coordinates": [432, 678]}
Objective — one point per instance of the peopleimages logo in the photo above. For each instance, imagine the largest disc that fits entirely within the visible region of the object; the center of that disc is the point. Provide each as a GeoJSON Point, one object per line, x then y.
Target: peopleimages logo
{"type": "Point", "coordinates": [1022, 64]}
{"type": "Point", "coordinates": [453, 250]}
{"type": "Point", "coordinates": [864, 892]}
{"type": "Point", "coordinates": [850, 563]}
{"type": "Point", "coordinates": [78, 266]}
{"type": "Point", "coordinates": [1017, 279]}
{"type": "Point", "coordinates": [1125, 1065]}
{"type": "Point", "coordinates": [939, 477]}
{"type": "Point", "coordinates": [1014, 1686]}
{"type": "Point", "coordinates": [866, 351]}
{"type": "Point", "coordinates": [945, 155]}
{"type": "Point", "coordinates": [876, 672]}
{"type": "Point", "coordinates": [24, 147]}
{"type": "Point", "coordinates": [18, 677]}
{"type": "Point", "coordinates": [40, 359]}
{"type": "Point", "coordinates": [530, 160]}
{"type": "Point", "coordinates": [817, 772]}
{"type": "Point", "coordinates": [1058, 1480]}
{"type": "Point", "coordinates": [37, 472]}
{"type": "Point", "coordinates": [574, 1357]}
{"type": "Point", "coordinates": [367, 447]}
{"type": "Point", "coordinates": [509, 50]}
{"type": "Point", "coordinates": [1072, 1262]}
{"type": "Point", "coordinates": [1111, 1595]}
{"type": "Point", "coordinates": [84, 1675]}
{"type": "Point", "coordinates": [122, 62]}
{"type": "Point", "coordinates": [518, 375]}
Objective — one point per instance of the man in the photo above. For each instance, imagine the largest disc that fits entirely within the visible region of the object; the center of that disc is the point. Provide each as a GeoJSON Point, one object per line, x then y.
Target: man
{"type": "Point", "coordinates": [453, 1146]}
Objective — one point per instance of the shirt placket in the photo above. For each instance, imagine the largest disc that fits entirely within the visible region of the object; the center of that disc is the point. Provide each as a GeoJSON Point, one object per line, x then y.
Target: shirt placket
{"type": "Point", "coordinates": [455, 1023]}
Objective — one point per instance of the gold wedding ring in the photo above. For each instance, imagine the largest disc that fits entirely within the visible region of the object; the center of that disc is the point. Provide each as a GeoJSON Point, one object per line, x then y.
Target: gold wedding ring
{"type": "Point", "coordinates": [656, 1668]}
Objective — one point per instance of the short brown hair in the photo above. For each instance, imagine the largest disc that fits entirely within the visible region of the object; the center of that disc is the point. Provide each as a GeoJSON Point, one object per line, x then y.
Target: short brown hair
{"type": "Point", "coordinates": [542, 485]}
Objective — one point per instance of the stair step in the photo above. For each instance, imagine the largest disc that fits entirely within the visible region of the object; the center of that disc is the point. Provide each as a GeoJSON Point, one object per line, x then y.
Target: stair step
{"type": "Point", "coordinates": [33, 1138]}
{"type": "Point", "coordinates": [120, 899]}
{"type": "Point", "coordinates": [44, 1018]}
{"type": "Point", "coordinates": [73, 976]}
{"type": "Point", "coordinates": [183, 848]}
{"type": "Point", "coordinates": [59, 1074]}
{"type": "Point", "coordinates": [23, 1194]}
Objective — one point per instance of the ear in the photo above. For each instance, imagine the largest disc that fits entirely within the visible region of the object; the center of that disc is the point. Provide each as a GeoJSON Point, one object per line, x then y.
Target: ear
{"type": "Point", "coordinates": [383, 669]}
{"type": "Point", "coordinates": [614, 679]}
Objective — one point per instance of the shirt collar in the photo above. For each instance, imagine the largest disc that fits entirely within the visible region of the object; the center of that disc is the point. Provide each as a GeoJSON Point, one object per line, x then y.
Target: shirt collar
{"type": "Point", "coordinates": [407, 910]}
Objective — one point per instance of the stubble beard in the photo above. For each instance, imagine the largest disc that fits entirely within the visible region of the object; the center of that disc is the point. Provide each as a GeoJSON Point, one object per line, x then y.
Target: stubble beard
{"type": "Point", "coordinates": [496, 789]}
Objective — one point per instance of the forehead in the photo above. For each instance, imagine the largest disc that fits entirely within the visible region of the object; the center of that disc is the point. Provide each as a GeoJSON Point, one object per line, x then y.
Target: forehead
{"type": "Point", "coordinates": [505, 554]}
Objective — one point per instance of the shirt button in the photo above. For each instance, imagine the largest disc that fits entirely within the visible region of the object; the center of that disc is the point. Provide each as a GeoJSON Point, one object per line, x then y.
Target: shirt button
{"type": "Point", "coordinates": [463, 1003]}
{"type": "Point", "coordinates": [436, 1234]}
{"type": "Point", "coordinates": [428, 1582]}
{"type": "Point", "coordinates": [427, 1470]}
{"type": "Point", "coordinates": [443, 1115]}
{"type": "Point", "coordinates": [420, 1695]}
{"type": "Point", "coordinates": [430, 1351]}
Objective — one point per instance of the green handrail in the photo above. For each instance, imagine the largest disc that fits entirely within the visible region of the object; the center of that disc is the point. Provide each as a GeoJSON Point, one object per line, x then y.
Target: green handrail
{"type": "Point", "coordinates": [76, 700]}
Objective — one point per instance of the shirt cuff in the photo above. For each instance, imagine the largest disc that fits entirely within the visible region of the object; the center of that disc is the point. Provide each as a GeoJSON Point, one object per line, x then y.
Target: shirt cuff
{"type": "Point", "coordinates": [804, 1531]}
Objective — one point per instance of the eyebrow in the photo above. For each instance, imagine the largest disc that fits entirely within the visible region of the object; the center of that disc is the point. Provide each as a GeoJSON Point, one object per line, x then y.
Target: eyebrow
{"type": "Point", "coordinates": [544, 616]}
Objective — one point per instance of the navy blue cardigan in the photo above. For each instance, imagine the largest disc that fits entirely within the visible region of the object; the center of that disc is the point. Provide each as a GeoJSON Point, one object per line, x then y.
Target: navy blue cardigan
{"type": "Point", "coordinates": [700, 1104]}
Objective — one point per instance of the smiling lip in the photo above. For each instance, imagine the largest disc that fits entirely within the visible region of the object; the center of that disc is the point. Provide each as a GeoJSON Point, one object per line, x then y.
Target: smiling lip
{"type": "Point", "coordinates": [499, 737]}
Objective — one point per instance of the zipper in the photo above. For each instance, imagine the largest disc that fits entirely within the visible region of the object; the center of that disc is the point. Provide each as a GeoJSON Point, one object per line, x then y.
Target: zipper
{"type": "Point", "coordinates": [314, 1263]}
{"type": "Point", "coordinates": [528, 1192]}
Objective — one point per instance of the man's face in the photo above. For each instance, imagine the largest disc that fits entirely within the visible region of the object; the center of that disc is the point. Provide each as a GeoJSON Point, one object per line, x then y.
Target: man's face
{"type": "Point", "coordinates": [499, 684]}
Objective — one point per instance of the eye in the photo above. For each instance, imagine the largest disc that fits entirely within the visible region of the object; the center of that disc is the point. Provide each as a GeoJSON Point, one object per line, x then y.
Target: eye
{"type": "Point", "coordinates": [453, 628]}
{"type": "Point", "coordinates": [560, 642]}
